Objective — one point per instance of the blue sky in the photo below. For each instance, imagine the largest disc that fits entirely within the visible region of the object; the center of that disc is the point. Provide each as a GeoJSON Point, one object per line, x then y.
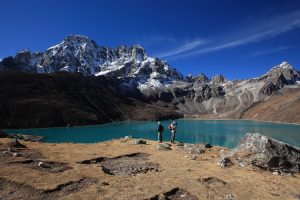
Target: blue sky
{"type": "Point", "coordinates": [237, 38]}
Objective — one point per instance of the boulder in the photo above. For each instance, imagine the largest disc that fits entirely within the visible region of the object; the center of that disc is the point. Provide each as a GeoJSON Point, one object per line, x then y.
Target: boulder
{"type": "Point", "coordinates": [139, 141]}
{"type": "Point", "coordinates": [30, 138]}
{"type": "Point", "coordinates": [167, 145]}
{"type": "Point", "coordinates": [180, 144]}
{"type": "Point", "coordinates": [16, 155]}
{"type": "Point", "coordinates": [266, 153]}
{"type": "Point", "coordinates": [226, 162]}
{"type": "Point", "coordinates": [229, 197]}
{"type": "Point", "coordinates": [163, 147]}
{"type": "Point", "coordinates": [194, 148]}
{"type": "Point", "coordinates": [207, 145]}
{"type": "Point", "coordinates": [15, 144]}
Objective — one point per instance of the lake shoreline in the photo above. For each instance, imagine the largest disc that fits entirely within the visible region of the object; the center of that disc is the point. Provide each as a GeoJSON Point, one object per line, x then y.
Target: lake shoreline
{"type": "Point", "coordinates": [185, 118]}
{"type": "Point", "coordinates": [233, 119]}
{"type": "Point", "coordinates": [224, 132]}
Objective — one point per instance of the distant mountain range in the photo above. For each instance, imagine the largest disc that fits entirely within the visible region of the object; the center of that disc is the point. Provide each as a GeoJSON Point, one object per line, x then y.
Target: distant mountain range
{"type": "Point", "coordinates": [129, 75]}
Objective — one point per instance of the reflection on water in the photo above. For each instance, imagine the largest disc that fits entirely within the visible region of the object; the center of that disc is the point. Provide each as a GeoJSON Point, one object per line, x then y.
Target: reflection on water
{"type": "Point", "coordinates": [217, 132]}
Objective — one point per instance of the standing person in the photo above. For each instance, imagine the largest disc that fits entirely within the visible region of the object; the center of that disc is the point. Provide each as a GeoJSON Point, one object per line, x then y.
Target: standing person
{"type": "Point", "coordinates": [173, 127]}
{"type": "Point", "coordinates": [160, 130]}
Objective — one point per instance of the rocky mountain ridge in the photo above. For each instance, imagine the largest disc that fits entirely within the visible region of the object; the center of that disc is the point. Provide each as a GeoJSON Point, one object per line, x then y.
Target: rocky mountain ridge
{"type": "Point", "coordinates": [78, 53]}
{"type": "Point", "coordinates": [153, 81]}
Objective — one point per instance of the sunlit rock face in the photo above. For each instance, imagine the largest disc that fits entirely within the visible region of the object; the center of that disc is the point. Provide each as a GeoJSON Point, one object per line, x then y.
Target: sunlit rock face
{"type": "Point", "coordinates": [266, 152]}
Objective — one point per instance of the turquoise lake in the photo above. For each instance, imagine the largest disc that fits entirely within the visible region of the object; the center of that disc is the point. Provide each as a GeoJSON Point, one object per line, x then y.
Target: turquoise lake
{"type": "Point", "coordinates": [216, 132]}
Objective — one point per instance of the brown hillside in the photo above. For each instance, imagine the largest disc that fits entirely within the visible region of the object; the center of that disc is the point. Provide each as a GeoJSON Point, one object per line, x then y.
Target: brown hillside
{"type": "Point", "coordinates": [280, 107]}
{"type": "Point", "coordinates": [51, 100]}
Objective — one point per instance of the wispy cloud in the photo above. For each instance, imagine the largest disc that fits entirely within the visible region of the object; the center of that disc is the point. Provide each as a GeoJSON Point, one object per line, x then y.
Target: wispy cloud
{"type": "Point", "coordinates": [154, 39]}
{"type": "Point", "coordinates": [256, 32]}
{"type": "Point", "coordinates": [187, 46]}
{"type": "Point", "coordinates": [160, 38]}
{"type": "Point", "coordinates": [269, 51]}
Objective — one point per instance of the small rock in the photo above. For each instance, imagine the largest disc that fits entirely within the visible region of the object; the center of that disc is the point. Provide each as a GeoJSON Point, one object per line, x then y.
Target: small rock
{"type": "Point", "coordinates": [162, 147]}
{"type": "Point", "coordinates": [275, 173]}
{"type": "Point", "coordinates": [104, 183]}
{"type": "Point", "coordinates": [229, 197]}
{"type": "Point", "coordinates": [194, 157]}
{"type": "Point", "coordinates": [296, 196]}
{"type": "Point", "coordinates": [194, 148]}
{"type": "Point", "coordinates": [207, 145]}
{"type": "Point", "coordinates": [9, 149]}
{"type": "Point", "coordinates": [31, 138]}
{"type": "Point", "coordinates": [167, 145]}
{"type": "Point", "coordinates": [180, 144]}
{"type": "Point", "coordinates": [93, 161]}
{"type": "Point", "coordinates": [40, 164]}
{"type": "Point", "coordinates": [16, 155]}
{"type": "Point", "coordinates": [226, 162]}
{"type": "Point", "coordinates": [139, 141]}
{"type": "Point", "coordinates": [15, 144]}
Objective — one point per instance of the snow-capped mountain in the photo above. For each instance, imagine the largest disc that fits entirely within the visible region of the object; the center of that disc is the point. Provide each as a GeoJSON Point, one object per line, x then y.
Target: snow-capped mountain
{"type": "Point", "coordinates": [137, 73]}
{"type": "Point", "coordinates": [78, 53]}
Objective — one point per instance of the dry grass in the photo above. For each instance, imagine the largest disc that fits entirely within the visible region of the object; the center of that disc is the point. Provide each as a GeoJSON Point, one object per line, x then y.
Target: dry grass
{"type": "Point", "coordinates": [201, 177]}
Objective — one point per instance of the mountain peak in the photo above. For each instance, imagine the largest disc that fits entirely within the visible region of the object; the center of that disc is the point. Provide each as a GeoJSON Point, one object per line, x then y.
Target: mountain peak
{"type": "Point", "coordinates": [80, 40]}
{"type": "Point", "coordinates": [26, 51]}
{"type": "Point", "coordinates": [202, 78]}
{"type": "Point", "coordinates": [138, 47]}
{"type": "Point", "coordinates": [218, 79]}
{"type": "Point", "coordinates": [285, 65]}
{"type": "Point", "coordinates": [139, 53]}
{"type": "Point", "coordinates": [76, 38]}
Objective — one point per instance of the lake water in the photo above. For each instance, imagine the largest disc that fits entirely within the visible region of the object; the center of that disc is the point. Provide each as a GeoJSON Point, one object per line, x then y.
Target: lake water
{"type": "Point", "coordinates": [216, 132]}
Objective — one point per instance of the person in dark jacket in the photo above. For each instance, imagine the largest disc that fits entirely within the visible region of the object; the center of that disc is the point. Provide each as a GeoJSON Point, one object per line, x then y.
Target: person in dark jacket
{"type": "Point", "coordinates": [160, 130]}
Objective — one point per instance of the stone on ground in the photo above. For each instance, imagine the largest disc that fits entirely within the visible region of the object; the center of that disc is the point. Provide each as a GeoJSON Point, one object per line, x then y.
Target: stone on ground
{"type": "Point", "coordinates": [139, 141]}
{"type": "Point", "coordinates": [266, 153]}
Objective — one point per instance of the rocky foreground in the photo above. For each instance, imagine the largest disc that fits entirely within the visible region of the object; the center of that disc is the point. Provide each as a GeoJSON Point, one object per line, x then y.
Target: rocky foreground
{"type": "Point", "coordinates": [258, 168]}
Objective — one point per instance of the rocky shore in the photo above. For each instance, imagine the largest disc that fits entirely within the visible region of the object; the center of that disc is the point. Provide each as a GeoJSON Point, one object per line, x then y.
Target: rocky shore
{"type": "Point", "coordinates": [258, 168]}
{"type": "Point", "coordinates": [19, 136]}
